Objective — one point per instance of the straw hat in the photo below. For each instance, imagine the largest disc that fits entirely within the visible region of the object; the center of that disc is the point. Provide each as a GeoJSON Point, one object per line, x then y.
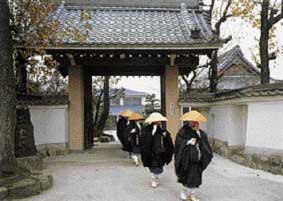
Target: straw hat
{"type": "Point", "coordinates": [154, 117]}
{"type": "Point", "coordinates": [193, 116]}
{"type": "Point", "coordinates": [126, 113]}
{"type": "Point", "coordinates": [135, 117]}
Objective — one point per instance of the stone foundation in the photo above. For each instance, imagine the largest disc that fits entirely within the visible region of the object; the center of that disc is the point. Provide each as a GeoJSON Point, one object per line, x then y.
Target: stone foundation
{"type": "Point", "coordinates": [272, 163]}
{"type": "Point", "coordinates": [53, 149]}
{"type": "Point", "coordinates": [30, 186]}
{"type": "Point", "coordinates": [24, 185]}
{"type": "Point", "coordinates": [31, 163]}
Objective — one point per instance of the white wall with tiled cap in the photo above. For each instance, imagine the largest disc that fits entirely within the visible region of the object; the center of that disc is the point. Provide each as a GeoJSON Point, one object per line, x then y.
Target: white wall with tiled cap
{"type": "Point", "coordinates": [255, 123]}
{"type": "Point", "coordinates": [50, 124]}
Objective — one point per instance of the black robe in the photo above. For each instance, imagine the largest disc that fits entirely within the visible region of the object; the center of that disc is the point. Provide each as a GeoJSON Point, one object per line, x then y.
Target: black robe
{"type": "Point", "coordinates": [191, 161]}
{"type": "Point", "coordinates": [121, 125]}
{"type": "Point", "coordinates": [156, 150]}
{"type": "Point", "coordinates": [132, 138]}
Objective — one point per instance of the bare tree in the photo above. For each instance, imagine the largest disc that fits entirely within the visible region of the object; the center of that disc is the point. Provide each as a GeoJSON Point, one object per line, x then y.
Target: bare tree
{"type": "Point", "coordinates": [223, 15]}
{"type": "Point", "coordinates": [270, 16]}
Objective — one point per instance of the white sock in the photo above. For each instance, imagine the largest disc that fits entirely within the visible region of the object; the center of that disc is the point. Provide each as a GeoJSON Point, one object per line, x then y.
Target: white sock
{"type": "Point", "coordinates": [191, 191]}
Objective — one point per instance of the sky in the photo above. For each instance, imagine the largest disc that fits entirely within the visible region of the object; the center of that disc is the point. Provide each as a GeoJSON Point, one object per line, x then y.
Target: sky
{"type": "Point", "coordinates": [242, 35]}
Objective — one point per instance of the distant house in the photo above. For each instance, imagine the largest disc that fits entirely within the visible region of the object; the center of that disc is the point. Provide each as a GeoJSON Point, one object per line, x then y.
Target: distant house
{"type": "Point", "coordinates": [133, 100]}
{"type": "Point", "coordinates": [234, 71]}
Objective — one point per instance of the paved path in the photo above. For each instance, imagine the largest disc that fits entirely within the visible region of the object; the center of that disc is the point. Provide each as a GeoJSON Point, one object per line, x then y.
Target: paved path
{"type": "Point", "coordinates": [105, 174]}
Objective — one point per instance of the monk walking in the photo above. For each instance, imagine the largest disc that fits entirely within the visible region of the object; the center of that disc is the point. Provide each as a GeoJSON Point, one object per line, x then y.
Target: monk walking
{"type": "Point", "coordinates": [192, 154]}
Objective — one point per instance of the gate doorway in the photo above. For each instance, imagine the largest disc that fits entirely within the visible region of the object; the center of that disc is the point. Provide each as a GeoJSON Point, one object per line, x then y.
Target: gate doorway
{"type": "Point", "coordinates": [130, 38]}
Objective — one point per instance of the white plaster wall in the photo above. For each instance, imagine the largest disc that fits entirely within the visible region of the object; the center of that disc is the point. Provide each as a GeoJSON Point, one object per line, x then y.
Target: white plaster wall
{"type": "Point", "coordinates": [265, 125]}
{"type": "Point", "coordinates": [217, 123]}
{"type": "Point", "coordinates": [226, 123]}
{"type": "Point", "coordinates": [204, 126]}
{"type": "Point", "coordinates": [239, 119]}
{"type": "Point", "coordinates": [50, 124]}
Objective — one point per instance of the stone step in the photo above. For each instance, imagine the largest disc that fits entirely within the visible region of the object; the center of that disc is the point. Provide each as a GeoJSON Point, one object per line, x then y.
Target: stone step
{"type": "Point", "coordinates": [26, 187]}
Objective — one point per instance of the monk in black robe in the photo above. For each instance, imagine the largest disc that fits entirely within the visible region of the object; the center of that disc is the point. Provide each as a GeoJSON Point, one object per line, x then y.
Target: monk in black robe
{"type": "Point", "coordinates": [192, 155]}
{"type": "Point", "coordinates": [132, 134]}
{"type": "Point", "coordinates": [157, 147]}
{"type": "Point", "coordinates": [121, 125]}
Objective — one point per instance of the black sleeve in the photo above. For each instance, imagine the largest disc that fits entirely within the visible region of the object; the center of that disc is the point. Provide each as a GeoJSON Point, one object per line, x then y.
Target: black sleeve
{"type": "Point", "coordinates": [146, 140]}
{"type": "Point", "coordinates": [206, 151]}
{"type": "Point", "coordinates": [180, 144]}
{"type": "Point", "coordinates": [169, 148]}
{"type": "Point", "coordinates": [180, 141]}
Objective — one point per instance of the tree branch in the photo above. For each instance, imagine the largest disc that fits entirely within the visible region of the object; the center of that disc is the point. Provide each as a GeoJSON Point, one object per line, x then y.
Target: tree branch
{"type": "Point", "coordinates": [211, 8]}
{"type": "Point", "coordinates": [193, 78]}
{"type": "Point", "coordinates": [223, 18]}
{"type": "Point", "coordinates": [274, 19]}
{"type": "Point", "coordinates": [186, 80]}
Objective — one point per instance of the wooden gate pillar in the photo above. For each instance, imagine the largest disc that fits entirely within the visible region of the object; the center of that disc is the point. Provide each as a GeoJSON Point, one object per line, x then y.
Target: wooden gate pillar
{"type": "Point", "coordinates": [170, 97]}
{"type": "Point", "coordinates": [76, 108]}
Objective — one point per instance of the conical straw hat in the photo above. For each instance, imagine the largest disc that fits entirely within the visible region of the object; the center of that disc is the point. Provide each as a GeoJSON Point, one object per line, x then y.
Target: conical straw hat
{"type": "Point", "coordinates": [126, 113]}
{"type": "Point", "coordinates": [154, 117]}
{"type": "Point", "coordinates": [193, 116]}
{"type": "Point", "coordinates": [135, 117]}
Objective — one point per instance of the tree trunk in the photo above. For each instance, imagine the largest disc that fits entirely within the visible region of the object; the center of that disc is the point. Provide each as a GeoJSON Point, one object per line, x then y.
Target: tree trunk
{"type": "Point", "coordinates": [21, 74]}
{"type": "Point", "coordinates": [213, 73]}
{"type": "Point", "coordinates": [24, 134]}
{"type": "Point", "coordinates": [97, 108]}
{"type": "Point", "coordinates": [188, 83]}
{"type": "Point", "coordinates": [263, 44]}
{"type": "Point", "coordinates": [7, 94]}
{"type": "Point", "coordinates": [106, 105]}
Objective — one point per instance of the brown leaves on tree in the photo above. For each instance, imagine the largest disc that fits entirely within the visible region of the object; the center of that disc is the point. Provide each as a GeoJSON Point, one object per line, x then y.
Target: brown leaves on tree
{"type": "Point", "coordinates": [35, 29]}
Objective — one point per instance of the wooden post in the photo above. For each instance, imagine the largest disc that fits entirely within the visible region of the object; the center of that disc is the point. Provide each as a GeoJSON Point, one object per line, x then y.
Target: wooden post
{"type": "Point", "coordinates": [88, 110]}
{"type": "Point", "coordinates": [170, 83]}
{"type": "Point", "coordinates": [76, 109]}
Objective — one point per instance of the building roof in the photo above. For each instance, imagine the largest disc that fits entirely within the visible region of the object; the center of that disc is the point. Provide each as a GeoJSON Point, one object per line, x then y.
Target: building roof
{"type": "Point", "coordinates": [115, 110]}
{"type": "Point", "coordinates": [39, 99]}
{"type": "Point", "coordinates": [235, 56]}
{"type": "Point", "coordinates": [275, 89]}
{"type": "Point", "coordinates": [129, 92]}
{"type": "Point", "coordinates": [138, 24]}
{"type": "Point", "coordinates": [135, 3]}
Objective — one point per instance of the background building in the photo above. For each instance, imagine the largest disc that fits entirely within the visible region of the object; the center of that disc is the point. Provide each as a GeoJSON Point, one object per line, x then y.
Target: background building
{"type": "Point", "coordinates": [234, 71]}
{"type": "Point", "coordinates": [133, 100]}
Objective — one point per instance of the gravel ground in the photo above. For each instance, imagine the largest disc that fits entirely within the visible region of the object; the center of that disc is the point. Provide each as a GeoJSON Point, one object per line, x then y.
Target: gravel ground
{"type": "Point", "coordinates": [105, 174]}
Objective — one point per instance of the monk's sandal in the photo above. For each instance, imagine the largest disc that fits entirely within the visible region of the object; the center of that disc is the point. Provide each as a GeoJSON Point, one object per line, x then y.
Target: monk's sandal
{"type": "Point", "coordinates": [193, 198]}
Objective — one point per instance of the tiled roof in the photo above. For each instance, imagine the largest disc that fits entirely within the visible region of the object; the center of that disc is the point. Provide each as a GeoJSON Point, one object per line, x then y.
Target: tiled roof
{"type": "Point", "coordinates": [156, 27]}
{"type": "Point", "coordinates": [135, 3]}
{"type": "Point", "coordinates": [38, 99]}
{"type": "Point", "coordinates": [275, 89]}
{"type": "Point", "coordinates": [234, 56]}
{"type": "Point", "coordinates": [196, 95]}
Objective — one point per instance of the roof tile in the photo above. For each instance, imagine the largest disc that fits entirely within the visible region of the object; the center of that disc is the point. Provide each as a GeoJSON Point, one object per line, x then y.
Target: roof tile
{"type": "Point", "coordinates": [136, 26]}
